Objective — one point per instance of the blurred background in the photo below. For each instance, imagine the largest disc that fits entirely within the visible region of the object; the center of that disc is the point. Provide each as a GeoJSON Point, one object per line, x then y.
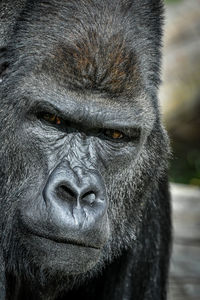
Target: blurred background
{"type": "Point", "coordinates": [180, 105]}
{"type": "Point", "coordinates": [180, 92]}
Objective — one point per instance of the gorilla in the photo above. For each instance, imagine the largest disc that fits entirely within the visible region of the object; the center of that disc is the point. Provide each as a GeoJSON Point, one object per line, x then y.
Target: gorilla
{"type": "Point", "coordinates": [84, 201]}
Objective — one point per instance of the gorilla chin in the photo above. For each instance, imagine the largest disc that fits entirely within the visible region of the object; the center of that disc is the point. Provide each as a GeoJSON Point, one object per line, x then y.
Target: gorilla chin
{"type": "Point", "coordinates": [66, 257]}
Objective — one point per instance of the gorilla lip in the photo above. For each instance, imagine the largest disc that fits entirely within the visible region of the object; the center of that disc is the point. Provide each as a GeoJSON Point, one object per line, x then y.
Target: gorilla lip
{"type": "Point", "coordinates": [66, 241]}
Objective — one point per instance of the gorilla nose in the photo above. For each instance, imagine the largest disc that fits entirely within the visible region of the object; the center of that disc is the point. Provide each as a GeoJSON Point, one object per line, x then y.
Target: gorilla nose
{"type": "Point", "coordinates": [86, 194]}
{"type": "Point", "coordinates": [75, 198]}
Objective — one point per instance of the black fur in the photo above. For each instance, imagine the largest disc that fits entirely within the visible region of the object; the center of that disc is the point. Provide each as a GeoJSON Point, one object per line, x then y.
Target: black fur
{"type": "Point", "coordinates": [94, 64]}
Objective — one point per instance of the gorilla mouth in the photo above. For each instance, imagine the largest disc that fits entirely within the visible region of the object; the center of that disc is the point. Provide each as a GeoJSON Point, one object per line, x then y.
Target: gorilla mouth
{"type": "Point", "coordinates": [67, 241]}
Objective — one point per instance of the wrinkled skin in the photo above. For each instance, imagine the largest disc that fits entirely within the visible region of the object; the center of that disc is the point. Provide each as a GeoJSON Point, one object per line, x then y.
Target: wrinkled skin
{"type": "Point", "coordinates": [83, 156]}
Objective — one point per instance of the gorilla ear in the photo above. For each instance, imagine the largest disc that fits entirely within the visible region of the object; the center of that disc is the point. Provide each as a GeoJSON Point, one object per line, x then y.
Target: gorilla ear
{"type": "Point", "coordinates": [3, 62]}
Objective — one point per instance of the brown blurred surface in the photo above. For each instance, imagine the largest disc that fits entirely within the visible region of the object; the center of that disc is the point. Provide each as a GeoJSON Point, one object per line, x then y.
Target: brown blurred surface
{"type": "Point", "coordinates": [184, 282]}
{"type": "Point", "coordinates": [180, 91]}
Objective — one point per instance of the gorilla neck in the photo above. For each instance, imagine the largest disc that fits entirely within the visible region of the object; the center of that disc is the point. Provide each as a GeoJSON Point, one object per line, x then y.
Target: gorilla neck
{"type": "Point", "coordinates": [22, 289]}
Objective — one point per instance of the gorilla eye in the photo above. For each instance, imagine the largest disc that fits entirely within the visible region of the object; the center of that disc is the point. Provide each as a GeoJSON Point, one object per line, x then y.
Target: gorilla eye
{"type": "Point", "coordinates": [114, 134]}
{"type": "Point", "coordinates": [51, 118]}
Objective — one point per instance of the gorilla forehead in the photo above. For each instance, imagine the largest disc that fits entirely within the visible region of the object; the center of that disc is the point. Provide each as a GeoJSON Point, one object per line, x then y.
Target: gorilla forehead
{"type": "Point", "coordinates": [87, 46]}
{"type": "Point", "coordinates": [93, 64]}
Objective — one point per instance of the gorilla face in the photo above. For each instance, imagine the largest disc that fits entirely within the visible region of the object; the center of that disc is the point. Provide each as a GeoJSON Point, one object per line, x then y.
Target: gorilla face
{"type": "Point", "coordinates": [82, 146]}
{"type": "Point", "coordinates": [67, 150]}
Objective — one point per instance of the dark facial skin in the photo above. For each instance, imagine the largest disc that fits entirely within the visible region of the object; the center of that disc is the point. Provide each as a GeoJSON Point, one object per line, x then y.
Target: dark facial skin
{"type": "Point", "coordinates": [83, 158]}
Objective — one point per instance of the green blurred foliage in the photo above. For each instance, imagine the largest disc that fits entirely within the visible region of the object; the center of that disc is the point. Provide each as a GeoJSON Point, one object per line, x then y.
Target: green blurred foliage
{"type": "Point", "coordinates": [185, 164]}
{"type": "Point", "coordinates": [172, 1]}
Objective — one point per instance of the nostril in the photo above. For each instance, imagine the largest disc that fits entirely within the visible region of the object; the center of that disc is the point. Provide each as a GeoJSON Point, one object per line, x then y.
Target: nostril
{"type": "Point", "coordinates": [89, 197]}
{"type": "Point", "coordinates": [65, 193]}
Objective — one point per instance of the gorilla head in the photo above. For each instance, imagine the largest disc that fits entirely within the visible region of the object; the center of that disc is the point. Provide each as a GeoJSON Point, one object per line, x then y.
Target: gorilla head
{"type": "Point", "coordinates": [83, 185]}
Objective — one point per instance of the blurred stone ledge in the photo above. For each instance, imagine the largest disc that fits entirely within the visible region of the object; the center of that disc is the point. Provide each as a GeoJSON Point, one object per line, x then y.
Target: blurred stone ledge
{"type": "Point", "coordinates": [184, 281]}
